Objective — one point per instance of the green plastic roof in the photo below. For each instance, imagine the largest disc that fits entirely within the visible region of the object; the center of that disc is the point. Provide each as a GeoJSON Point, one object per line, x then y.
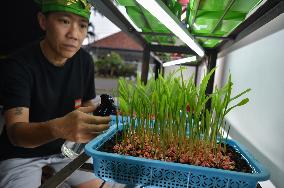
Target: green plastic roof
{"type": "Point", "coordinates": [217, 18]}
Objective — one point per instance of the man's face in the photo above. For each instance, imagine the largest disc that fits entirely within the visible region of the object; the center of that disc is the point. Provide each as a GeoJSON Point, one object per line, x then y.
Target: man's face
{"type": "Point", "coordinates": [65, 33]}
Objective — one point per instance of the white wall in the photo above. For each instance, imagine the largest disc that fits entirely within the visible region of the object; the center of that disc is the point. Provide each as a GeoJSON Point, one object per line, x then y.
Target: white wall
{"type": "Point", "coordinates": [202, 71]}
{"type": "Point", "coordinates": [257, 62]}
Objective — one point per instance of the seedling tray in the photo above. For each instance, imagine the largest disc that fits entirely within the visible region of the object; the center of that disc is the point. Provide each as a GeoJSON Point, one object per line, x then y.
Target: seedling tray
{"type": "Point", "coordinates": [156, 173]}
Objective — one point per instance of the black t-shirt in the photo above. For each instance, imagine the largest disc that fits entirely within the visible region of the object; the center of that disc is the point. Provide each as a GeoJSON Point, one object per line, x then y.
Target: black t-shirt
{"type": "Point", "coordinates": [48, 91]}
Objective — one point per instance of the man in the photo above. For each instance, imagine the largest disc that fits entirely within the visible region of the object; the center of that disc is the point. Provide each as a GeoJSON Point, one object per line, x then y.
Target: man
{"type": "Point", "coordinates": [47, 95]}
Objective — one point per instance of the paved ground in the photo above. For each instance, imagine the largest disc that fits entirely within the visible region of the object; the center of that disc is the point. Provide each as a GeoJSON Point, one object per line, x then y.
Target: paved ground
{"type": "Point", "coordinates": [106, 85]}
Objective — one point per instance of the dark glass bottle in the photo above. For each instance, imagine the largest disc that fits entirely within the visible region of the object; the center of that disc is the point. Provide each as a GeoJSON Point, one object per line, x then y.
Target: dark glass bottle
{"type": "Point", "coordinates": [107, 106]}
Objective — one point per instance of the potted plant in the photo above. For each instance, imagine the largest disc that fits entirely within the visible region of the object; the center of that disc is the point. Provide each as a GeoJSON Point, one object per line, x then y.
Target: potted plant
{"type": "Point", "coordinates": [167, 137]}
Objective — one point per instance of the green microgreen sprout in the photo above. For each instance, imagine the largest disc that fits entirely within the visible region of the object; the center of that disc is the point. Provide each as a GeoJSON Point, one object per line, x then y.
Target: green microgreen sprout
{"type": "Point", "coordinates": [168, 119]}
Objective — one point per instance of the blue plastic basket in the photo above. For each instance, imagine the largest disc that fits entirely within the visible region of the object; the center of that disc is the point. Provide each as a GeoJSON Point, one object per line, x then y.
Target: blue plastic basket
{"type": "Point", "coordinates": [155, 173]}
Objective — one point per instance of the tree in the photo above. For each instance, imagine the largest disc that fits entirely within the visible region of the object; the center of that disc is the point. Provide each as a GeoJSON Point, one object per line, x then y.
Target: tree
{"type": "Point", "coordinates": [109, 65]}
{"type": "Point", "coordinates": [114, 66]}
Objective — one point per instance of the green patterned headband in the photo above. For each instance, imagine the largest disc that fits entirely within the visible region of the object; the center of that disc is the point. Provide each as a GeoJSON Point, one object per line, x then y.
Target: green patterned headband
{"type": "Point", "coordinates": [79, 7]}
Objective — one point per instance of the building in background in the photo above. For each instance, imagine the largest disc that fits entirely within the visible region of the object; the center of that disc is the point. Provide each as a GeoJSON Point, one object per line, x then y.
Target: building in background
{"type": "Point", "coordinates": [126, 47]}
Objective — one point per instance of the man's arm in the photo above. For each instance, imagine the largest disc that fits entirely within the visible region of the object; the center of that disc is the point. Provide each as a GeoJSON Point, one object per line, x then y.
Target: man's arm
{"type": "Point", "coordinates": [76, 126]}
{"type": "Point", "coordinates": [22, 133]}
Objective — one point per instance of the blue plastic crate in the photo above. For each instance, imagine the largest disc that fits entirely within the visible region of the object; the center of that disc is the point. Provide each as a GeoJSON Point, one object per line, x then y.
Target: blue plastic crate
{"type": "Point", "coordinates": [155, 173]}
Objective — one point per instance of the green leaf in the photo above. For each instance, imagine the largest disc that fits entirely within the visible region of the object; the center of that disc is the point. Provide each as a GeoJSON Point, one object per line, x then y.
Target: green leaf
{"type": "Point", "coordinates": [243, 102]}
{"type": "Point", "coordinates": [123, 105]}
{"type": "Point", "coordinates": [242, 93]}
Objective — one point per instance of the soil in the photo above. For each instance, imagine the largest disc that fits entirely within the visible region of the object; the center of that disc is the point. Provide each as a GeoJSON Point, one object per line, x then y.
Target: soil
{"type": "Point", "coordinates": [241, 164]}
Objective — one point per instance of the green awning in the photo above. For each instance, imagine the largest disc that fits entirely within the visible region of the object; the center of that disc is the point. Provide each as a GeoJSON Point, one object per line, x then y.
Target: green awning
{"type": "Point", "coordinates": [204, 19]}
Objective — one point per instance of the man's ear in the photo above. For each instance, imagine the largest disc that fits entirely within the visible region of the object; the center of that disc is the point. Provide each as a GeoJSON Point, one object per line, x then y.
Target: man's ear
{"type": "Point", "coordinates": [41, 20]}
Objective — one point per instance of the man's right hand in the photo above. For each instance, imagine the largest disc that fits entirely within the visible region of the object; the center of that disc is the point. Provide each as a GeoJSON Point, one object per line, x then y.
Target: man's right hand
{"type": "Point", "coordinates": [79, 126]}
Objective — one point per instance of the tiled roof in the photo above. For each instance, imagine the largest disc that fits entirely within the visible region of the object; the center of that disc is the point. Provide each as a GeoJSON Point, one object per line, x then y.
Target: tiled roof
{"type": "Point", "coordinates": [119, 40]}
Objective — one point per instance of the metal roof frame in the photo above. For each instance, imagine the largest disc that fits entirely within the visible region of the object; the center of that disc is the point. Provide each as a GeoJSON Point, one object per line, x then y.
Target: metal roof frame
{"type": "Point", "coordinates": [109, 10]}
{"type": "Point", "coordinates": [268, 11]}
{"type": "Point", "coordinates": [264, 14]}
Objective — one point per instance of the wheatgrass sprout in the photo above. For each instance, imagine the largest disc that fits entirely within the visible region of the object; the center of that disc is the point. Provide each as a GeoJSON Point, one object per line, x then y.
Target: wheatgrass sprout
{"type": "Point", "coordinates": [168, 118]}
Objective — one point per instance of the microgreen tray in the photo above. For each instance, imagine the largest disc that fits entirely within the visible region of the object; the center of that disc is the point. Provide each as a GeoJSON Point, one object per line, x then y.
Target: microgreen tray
{"type": "Point", "coordinates": [155, 173]}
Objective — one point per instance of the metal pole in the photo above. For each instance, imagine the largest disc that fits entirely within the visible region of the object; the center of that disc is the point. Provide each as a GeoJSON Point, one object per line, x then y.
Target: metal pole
{"type": "Point", "coordinates": [157, 68]}
{"type": "Point", "coordinates": [211, 64]}
{"type": "Point", "coordinates": [57, 179]}
{"type": "Point", "coordinates": [145, 64]}
{"type": "Point", "coordinates": [196, 74]}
